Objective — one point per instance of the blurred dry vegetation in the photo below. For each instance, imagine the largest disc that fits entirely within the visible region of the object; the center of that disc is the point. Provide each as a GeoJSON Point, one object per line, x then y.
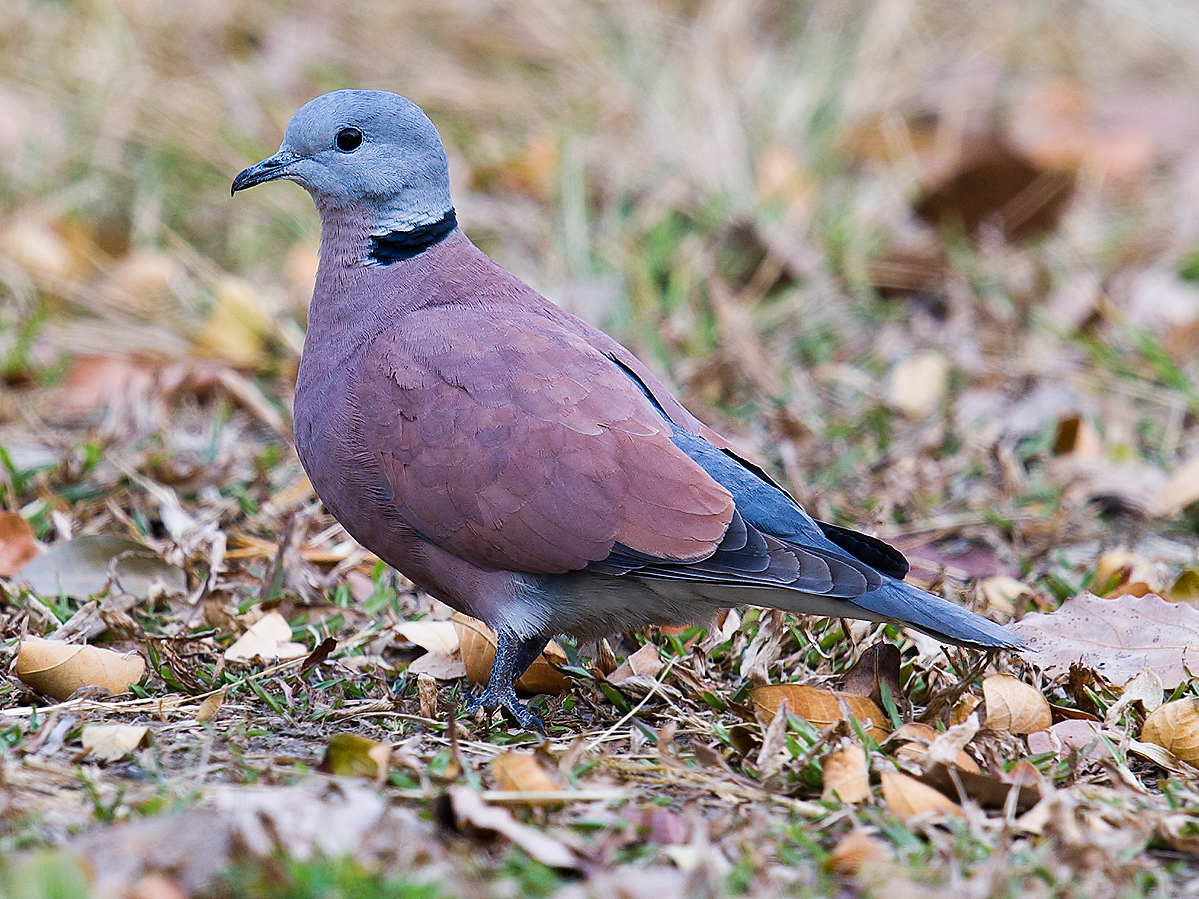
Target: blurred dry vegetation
{"type": "Point", "coordinates": [935, 265]}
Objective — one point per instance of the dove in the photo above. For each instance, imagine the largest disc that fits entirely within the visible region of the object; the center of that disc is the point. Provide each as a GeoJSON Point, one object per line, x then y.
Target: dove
{"type": "Point", "coordinates": [512, 460]}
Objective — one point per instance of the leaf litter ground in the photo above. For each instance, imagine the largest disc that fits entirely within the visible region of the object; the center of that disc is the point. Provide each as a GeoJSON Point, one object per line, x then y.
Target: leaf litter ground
{"type": "Point", "coordinates": [936, 272]}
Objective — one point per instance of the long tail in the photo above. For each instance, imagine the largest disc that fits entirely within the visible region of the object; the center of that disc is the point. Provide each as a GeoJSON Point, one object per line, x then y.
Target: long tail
{"type": "Point", "coordinates": [950, 623]}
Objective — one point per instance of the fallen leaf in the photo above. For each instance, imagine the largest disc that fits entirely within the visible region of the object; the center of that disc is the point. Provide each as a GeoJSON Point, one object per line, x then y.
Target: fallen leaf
{"type": "Point", "coordinates": [209, 707]}
{"type": "Point", "coordinates": [18, 544]}
{"type": "Point", "coordinates": [821, 707]}
{"type": "Point", "coordinates": [268, 640]}
{"type": "Point", "coordinates": [994, 185]}
{"type": "Point", "coordinates": [521, 772]}
{"type": "Point", "coordinates": [80, 567]}
{"type": "Point", "coordinates": [1175, 727]}
{"type": "Point", "coordinates": [478, 643]}
{"type": "Point", "coordinates": [443, 660]}
{"type": "Point", "coordinates": [878, 664]}
{"type": "Point", "coordinates": [907, 797]}
{"type": "Point", "coordinates": [915, 740]}
{"type": "Point", "coordinates": [846, 775]}
{"type": "Point", "coordinates": [917, 385]}
{"type": "Point", "coordinates": [238, 324]}
{"type": "Point", "coordinates": [1001, 592]}
{"type": "Point", "coordinates": [646, 661]}
{"type": "Point", "coordinates": [1076, 734]}
{"type": "Point", "coordinates": [426, 691]}
{"type": "Point", "coordinates": [855, 851]}
{"type": "Point", "coordinates": [1076, 435]}
{"type": "Point", "coordinates": [1013, 706]}
{"type": "Point", "coordinates": [1186, 586]}
{"type": "Point", "coordinates": [433, 636]}
{"type": "Point", "coordinates": [1182, 488]}
{"type": "Point", "coordinates": [439, 665]}
{"type": "Point", "coordinates": [470, 810]}
{"type": "Point", "coordinates": [985, 789]}
{"type": "Point", "coordinates": [1115, 637]}
{"type": "Point", "coordinates": [59, 669]}
{"type": "Point", "coordinates": [110, 742]}
{"type": "Point", "coordinates": [353, 755]}
{"type": "Point", "coordinates": [1118, 573]}
{"type": "Point", "coordinates": [1145, 688]}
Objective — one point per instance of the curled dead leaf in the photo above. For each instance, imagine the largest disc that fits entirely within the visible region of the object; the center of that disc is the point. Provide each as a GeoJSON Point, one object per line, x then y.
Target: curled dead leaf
{"type": "Point", "coordinates": [907, 797]}
{"type": "Point", "coordinates": [1175, 726]}
{"type": "Point", "coordinates": [1013, 706]}
{"type": "Point", "coordinates": [821, 707]}
{"type": "Point", "coordinates": [478, 643]}
{"type": "Point", "coordinates": [353, 755]}
{"type": "Point", "coordinates": [521, 772]}
{"type": "Point", "coordinates": [915, 739]}
{"type": "Point", "coordinates": [855, 851]}
{"type": "Point", "coordinates": [18, 544]}
{"type": "Point", "coordinates": [59, 669]}
{"type": "Point", "coordinates": [645, 661]}
{"type": "Point", "coordinates": [80, 568]}
{"type": "Point", "coordinates": [846, 775]}
{"type": "Point", "coordinates": [268, 640]}
{"type": "Point", "coordinates": [110, 742]}
{"type": "Point", "coordinates": [917, 385]}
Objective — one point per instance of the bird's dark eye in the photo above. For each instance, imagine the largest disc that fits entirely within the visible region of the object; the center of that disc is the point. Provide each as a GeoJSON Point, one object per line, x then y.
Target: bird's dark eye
{"type": "Point", "coordinates": [348, 139]}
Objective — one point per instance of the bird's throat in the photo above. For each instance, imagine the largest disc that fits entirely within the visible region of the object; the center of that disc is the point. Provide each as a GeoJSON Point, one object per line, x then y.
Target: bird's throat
{"type": "Point", "coordinates": [396, 246]}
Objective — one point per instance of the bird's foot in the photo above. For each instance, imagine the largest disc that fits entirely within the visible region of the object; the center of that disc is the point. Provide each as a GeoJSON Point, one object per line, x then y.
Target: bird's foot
{"type": "Point", "coordinates": [505, 699]}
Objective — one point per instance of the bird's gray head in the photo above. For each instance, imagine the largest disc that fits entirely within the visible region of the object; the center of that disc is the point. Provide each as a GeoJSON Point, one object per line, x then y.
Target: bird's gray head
{"type": "Point", "coordinates": [370, 151]}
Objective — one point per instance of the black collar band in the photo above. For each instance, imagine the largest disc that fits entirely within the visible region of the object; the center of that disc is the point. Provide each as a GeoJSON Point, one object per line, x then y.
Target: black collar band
{"type": "Point", "coordinates": [396, 246]}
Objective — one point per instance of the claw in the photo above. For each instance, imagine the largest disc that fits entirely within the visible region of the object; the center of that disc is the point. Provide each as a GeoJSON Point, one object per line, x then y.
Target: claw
{"type": "Point", "coordinates": [491, 699]}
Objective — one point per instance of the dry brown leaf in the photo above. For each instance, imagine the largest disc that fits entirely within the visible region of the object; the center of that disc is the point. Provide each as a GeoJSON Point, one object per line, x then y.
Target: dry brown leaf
{"type": "Point", "coordinates": [353, 755]}
{"type": "Point", "coordinates": [916, 739]}
{"type": "Point", "coordinates": [1013, 706]}
{"type": "Point", "coordinates": [237, 327]}
{"type": "Point", "coordinates": [1118, 573]}
{"type": "Point", "coordinates": [645, 661]}
{"type": "Point", "coordinates": [439, 665]}
{"type": "Point", "coordinates": [209, 707]}
{"type": "Point", "coordinates": [478, 644]}
{"type": "Point", "coordinates": [470, 810]}
{"type": "Point", "coordinates": [985, 789]}
{"type": "Point", "coordinates": [1115, 637]}
{"type": "Point", "coordinates": [1181, 489]}
{"type": "Point", "coordinates": [917, 385]}
{"type": "Point", "coordinates": [1001, 592]}
{"type": "Point", "coordinates": [59, 669]}
{"type": "Point", "coordinates": [855, 851]}
{"type": "Point", "coordinates": [426, 691]}
{"type": "Point", "coordinates": [268, 640]}
{"type": "Point", "coordinates": [1075, 734]}
{"type": "Point", "coordinates": [846, 775]}
{"type": "Point", "coordinates": [18, 544]}
{"type": "Point", "coordinates": [1076, 435]}
{"type": "Point", "coordinates": [1145, 688]}
{"type": "Point", "coordinates": [80, 568]}
{"type": "Point", "coordinates": [433, 636]}
{"type": "Point", "coordinates": [1175, 727]}
{"type": "Point", "coordinates": [1186, 586]}
{"type": "Point", "coordinates": [521, 772]}
{"type": "Point", "coordinates": [878, 664]}
{"type": "Point", "coordinates": [907, 797]}
{"type": "Point", "coordinates": [109, 742]}
{"type": "Point", "coordinates": [821, 707]}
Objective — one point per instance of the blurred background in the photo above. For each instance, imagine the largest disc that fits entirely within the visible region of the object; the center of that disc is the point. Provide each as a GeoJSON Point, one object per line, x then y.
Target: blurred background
{"type": "Point", "coordinates": [934, 264]}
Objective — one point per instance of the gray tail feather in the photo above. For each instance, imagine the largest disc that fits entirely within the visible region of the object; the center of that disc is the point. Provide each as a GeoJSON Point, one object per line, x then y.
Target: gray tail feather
{"type": "Point", "coordinates": [946, 621]}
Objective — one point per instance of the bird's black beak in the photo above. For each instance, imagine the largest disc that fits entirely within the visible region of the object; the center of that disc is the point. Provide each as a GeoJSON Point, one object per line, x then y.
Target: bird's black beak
{"type": "Point", "coordinates": [277, 166]}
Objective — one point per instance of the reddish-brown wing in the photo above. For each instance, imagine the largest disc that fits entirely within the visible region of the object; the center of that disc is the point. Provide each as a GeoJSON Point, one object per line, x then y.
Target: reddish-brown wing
{"type": "Point", "coordinates": [521, 447]}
